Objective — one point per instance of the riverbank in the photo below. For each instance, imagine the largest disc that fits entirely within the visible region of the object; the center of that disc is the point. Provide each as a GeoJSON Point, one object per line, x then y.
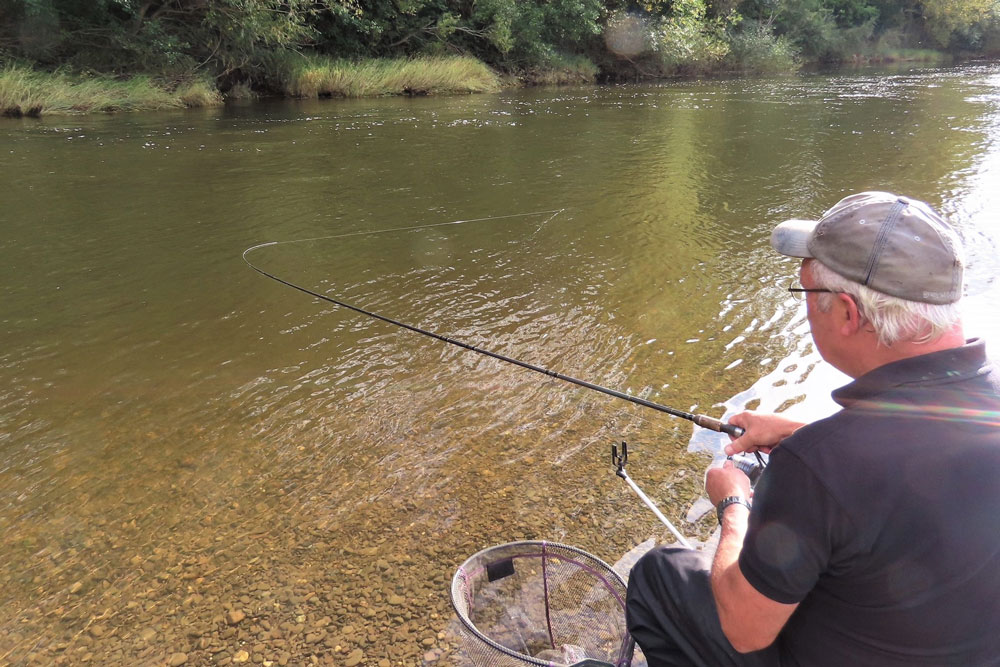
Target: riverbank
{"type": "Point", "coordinates": [25, 91]}
{"type": "Point", "coordinates": [28, 92]}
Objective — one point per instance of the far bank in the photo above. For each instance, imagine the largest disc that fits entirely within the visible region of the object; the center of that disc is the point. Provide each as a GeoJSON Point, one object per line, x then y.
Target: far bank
{"type": "Point", "coordinates": [26, 91]}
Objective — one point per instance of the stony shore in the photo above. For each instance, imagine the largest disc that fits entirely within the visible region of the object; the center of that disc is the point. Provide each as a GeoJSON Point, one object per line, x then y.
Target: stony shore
{"type": "Point", "coordinates": [235, 557]}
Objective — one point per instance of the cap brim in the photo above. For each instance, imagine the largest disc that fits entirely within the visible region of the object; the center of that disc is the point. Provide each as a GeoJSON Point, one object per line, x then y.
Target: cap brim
{"type": "Point", "coordinates": [792, 237]}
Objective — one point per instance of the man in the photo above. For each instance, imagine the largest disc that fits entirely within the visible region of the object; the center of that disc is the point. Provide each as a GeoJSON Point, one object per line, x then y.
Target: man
{"type": "Point", "coordinates": [874, 534]}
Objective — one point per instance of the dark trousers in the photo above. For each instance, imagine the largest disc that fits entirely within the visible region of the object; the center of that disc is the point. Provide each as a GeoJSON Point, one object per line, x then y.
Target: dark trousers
{"type": "Point", "coordinates": [671, 614]}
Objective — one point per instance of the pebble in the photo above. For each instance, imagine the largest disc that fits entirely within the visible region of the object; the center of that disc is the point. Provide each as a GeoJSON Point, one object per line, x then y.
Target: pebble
{"type": "Point", "coordinates": [280, 600]}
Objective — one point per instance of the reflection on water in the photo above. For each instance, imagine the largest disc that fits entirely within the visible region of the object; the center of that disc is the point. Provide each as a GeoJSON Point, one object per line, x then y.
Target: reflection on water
{"type": "Point", "coordinates": [196, 460]}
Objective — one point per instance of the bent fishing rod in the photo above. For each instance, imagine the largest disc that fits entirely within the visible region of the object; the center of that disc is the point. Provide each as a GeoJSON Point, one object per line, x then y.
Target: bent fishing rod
{"type": "Point", "coordinates": [701, 420]}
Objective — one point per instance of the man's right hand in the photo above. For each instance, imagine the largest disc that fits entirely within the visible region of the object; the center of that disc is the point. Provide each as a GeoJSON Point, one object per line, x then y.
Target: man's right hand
{"type": "Point", "coordinates": [762, 432]}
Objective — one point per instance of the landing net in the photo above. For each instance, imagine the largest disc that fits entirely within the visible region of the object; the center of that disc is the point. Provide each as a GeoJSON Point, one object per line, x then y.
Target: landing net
{"type": "Point", "coordinates": [540, 603]}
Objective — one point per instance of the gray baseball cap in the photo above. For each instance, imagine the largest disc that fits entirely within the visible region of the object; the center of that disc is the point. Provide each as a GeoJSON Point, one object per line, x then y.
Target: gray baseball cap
{"type": "Point", "coordinates": [892, 244]}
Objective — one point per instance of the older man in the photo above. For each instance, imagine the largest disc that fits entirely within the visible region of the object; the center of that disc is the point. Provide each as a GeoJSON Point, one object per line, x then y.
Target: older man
{"type": "Point", "coordinates": [874, 534]}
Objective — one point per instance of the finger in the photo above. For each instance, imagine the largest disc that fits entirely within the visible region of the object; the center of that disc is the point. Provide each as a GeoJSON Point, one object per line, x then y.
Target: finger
{"type": "Point", "coordinates": [736, 446]}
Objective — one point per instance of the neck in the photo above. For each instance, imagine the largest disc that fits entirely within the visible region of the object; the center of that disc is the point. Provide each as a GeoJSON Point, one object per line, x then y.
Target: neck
{"type": "Point", "coordinates": [874, 354]}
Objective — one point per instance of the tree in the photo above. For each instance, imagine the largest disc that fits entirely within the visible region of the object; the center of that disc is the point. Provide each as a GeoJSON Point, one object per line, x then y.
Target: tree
{"type": "Point", "coordinates": [944, 18]}
{"type": "Point", "coordinates": [171, 36]}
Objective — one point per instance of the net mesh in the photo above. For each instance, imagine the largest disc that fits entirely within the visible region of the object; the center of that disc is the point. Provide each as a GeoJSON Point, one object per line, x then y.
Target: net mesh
{"type": "Point", "coordinates": [540, 603]}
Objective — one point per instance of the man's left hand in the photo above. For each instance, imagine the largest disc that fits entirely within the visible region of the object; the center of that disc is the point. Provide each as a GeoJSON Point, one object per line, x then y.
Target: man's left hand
{"type": "Point", "coordinates": [726, 481]}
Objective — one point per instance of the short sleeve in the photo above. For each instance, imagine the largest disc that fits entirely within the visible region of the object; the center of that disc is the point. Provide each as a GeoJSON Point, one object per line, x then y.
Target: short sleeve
{"type": "Point", "coordinates": [792, 531]}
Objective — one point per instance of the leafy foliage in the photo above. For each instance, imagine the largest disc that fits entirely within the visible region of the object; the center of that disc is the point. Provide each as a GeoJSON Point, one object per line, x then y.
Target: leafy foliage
{"type": "Point", "coordinates": [755, 48]}
{"type": "Point", "coordinates": [961, 20]}
{"type": "Point", "coordinates": [815, 29]}
{"type": "Point", "coordinates": [241, 42]}
{"type": "Point", "coordinates": [687, 40]}
{"type": "Point", "coordinates": [154, 35]}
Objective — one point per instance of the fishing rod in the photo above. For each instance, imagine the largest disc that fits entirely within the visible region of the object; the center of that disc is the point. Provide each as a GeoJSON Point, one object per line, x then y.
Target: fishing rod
{"type": "Point", "coordinates": [701, 420]}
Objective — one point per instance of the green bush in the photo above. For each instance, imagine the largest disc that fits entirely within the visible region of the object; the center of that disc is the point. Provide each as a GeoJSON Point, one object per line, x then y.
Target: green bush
{"type": "Point", "coordinates": [754, 48]}
{"type": "Point", "coordinates": [687, 41]}
{"type": "Point", "coordinates": [249, 45]}
{"type": "Point", "coordinates": [561, 69]}
{"type": "Point", "coordinates": [520, 34]}
{"type": "Point", "coordinates": [161, 38]}
{"type": "Point", "coordinates": [813, 26]}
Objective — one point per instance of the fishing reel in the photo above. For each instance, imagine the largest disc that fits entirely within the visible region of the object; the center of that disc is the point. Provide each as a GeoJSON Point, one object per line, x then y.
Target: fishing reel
{"type": "Point", "coordinates": [751, 467]}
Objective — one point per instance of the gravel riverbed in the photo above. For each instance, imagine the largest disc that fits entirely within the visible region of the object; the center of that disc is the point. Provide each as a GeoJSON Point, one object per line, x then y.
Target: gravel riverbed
{"type": "Point", "coordinates": [260, 573]}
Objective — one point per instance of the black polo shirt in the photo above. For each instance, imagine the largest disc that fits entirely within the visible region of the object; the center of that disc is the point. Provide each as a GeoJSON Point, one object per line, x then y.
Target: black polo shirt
{"type": "Point", "coordinates": [883, 520]}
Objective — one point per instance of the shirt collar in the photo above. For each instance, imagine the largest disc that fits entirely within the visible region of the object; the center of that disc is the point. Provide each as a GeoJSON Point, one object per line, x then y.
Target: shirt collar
{"type": "Point", "coordinates": [944, 366]}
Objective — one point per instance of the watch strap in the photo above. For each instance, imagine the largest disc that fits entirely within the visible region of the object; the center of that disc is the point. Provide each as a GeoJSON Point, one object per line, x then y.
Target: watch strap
{"type": "Point", "coordinates": [726, 502]}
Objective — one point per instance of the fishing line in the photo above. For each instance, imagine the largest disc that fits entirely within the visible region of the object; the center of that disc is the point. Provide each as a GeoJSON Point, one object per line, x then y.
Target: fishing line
{"type": "Point", "coordinates": [701, 420]}
{"type": "Point", "coordinates": [554, 212]}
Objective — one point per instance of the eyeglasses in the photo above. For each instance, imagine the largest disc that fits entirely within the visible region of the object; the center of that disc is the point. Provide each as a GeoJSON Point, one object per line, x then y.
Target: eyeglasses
{"type": "Point", "coordinates": [799, 292]}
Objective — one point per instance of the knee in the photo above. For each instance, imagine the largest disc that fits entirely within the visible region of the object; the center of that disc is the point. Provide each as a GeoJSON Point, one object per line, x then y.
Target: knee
{"type": "Point", "coordinates": [666, 572]}
{"type": "Point", "coordinates": [651, 575]}
{"type": "Point", "coordinates": [658, 563]}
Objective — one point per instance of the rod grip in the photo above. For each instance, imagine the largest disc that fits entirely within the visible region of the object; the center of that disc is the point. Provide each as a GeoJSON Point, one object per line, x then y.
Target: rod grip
{"type": "Point", "coordinates": [718, 425]}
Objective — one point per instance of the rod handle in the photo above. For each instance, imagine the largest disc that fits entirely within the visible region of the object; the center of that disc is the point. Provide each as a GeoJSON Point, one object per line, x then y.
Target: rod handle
{"type": "Point", "coordinates": [718, 425]}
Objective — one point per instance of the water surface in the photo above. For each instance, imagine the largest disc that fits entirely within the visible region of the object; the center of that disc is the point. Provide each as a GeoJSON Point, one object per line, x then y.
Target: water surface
{"type": "Point", "coordinates": [181, 438]}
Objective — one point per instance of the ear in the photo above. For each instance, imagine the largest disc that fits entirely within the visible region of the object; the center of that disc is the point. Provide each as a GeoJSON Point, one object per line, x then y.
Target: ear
{"type": "Point", "coordinates": [850, 318]}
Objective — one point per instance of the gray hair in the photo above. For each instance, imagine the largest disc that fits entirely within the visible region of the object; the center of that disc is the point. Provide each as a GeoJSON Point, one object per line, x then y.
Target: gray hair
{"type": "Point", "coordinates": [894, 319]}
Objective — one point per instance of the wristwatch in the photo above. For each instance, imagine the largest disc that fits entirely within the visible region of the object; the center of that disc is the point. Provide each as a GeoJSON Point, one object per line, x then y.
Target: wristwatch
{"type": "Point", "coordinates": [726, 502]}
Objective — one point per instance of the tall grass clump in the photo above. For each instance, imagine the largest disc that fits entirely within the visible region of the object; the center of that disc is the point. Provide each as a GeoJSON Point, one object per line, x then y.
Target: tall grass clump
{"type": "Point", "coordinates": [319, 76]}
{"type": "Point", "coordinates": [24, 91]}
{"type": "Point", "coordinates": [21, 92]}
{"type": "Point", "coordinates": [198, 93]}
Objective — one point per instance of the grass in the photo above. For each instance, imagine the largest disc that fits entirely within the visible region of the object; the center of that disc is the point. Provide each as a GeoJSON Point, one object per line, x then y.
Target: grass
{"type": "Point", "coordinates": [27, 92]}
{"type": "Point", "coordinates": [318, 76]}
{"type": "Point", "coordinates": [560, 70]}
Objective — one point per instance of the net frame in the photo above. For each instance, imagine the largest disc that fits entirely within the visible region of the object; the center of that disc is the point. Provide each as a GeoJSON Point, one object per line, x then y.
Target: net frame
{"type": "Point", "coordinates": [462, 594]}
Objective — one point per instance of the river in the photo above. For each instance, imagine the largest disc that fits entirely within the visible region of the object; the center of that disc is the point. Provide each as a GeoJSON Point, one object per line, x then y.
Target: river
{"type": "Point", "coordinates": [195, 459]}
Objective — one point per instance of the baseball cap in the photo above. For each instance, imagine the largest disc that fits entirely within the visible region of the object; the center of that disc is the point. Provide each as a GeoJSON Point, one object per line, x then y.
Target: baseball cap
{"type": "Point", "coordinates": [892, 244]}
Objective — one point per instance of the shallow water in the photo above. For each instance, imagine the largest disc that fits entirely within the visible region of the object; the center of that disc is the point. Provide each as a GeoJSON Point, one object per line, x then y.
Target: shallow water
{"type": "Point", "coordinates": [181, 438]}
